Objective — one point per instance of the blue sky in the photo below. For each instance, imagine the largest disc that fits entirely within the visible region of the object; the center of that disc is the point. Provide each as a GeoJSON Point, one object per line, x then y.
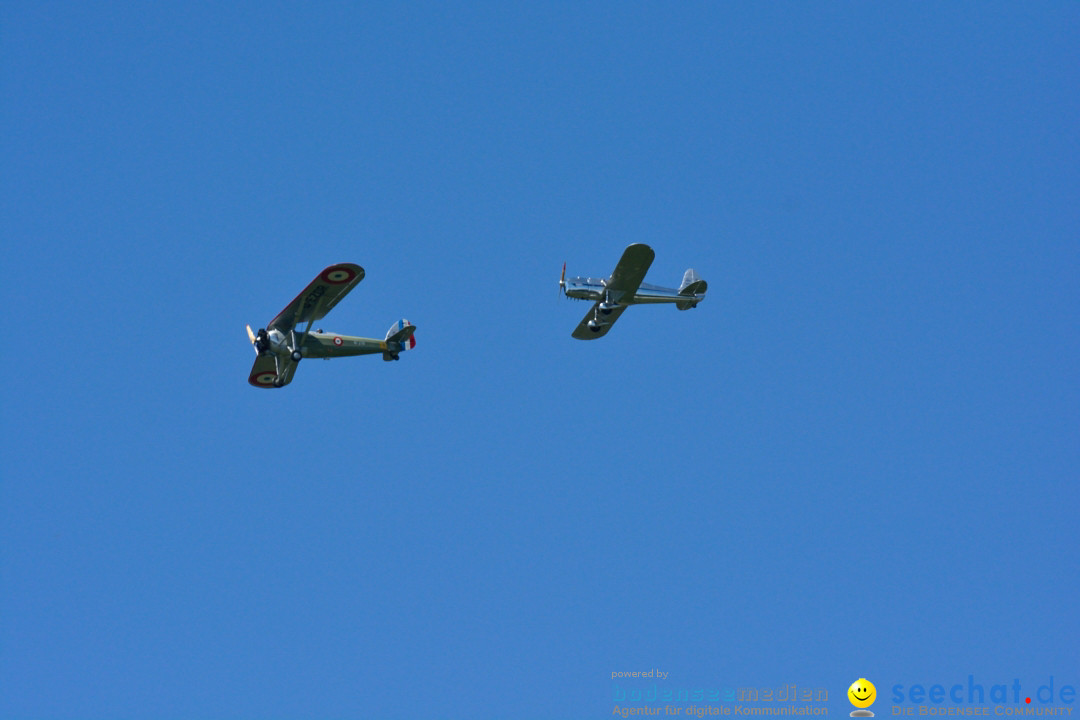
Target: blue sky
{"type": "Point", "coordinates": [857, 458]}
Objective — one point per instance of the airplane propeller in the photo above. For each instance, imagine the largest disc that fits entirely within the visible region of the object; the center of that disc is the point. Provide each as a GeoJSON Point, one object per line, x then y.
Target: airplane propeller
{"type": "Point", "coordinates": [562, 280]}
{"type": "Point", "coordinates": [259, 342]}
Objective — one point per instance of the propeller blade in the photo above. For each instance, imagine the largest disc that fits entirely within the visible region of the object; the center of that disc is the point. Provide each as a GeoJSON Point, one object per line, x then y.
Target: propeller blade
{"type": "Point", "coordinates": [251, 335]}
{"type": "Point", "coordinates": [562, 280]}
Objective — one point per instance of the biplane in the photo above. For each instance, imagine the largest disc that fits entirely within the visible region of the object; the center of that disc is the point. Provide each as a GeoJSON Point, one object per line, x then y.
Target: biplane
{"type": "Point", "coordinates": [281, 345]}
{"type": "Point", "coordinates": [611, 296]}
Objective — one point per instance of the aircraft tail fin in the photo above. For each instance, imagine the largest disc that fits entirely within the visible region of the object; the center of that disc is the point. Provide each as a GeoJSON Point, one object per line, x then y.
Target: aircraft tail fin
{"type": "Point", "coordinates": [399, 338]}
{"type": "Point", "coordinates": [692, 287]}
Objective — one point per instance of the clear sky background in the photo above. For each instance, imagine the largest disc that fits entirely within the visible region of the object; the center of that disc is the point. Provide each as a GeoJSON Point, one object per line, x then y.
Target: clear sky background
{"type": "Point", "coordinates": [857, 458]}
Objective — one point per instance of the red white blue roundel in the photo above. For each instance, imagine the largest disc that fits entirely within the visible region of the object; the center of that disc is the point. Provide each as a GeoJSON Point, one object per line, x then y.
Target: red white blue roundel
{"type": "Point", "coordinates": [264, 379]}
{"type": "Point", "coordinates": [337, 341]}
{"type": "Point", "coordinates": [338, 274]}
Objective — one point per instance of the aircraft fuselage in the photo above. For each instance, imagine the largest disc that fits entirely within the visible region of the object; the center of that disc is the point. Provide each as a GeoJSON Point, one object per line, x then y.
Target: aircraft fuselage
{"type": "Point", "coordinates": [319, 344]}
{"type": "Point", "coordinates": [595, 289]}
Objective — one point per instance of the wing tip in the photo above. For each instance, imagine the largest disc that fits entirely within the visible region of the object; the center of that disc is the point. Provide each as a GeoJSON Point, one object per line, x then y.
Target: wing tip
{"type": "Point", "coordinates": [342, 273]}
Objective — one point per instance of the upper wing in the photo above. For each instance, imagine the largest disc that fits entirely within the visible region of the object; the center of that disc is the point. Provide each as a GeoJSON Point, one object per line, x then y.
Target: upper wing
{"type": "Point", "coordinates": [630, 271]}
{"type": "Point", "coordinates": [264, 372]}
{"type": "Point", "coordinates": [584, 332]}
{"type": "Point", "coordinates": [319, 297]}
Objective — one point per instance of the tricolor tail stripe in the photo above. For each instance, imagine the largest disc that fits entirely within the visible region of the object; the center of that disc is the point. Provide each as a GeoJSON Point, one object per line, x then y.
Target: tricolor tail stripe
{"type": "Point", "coordinates": [410, 342]}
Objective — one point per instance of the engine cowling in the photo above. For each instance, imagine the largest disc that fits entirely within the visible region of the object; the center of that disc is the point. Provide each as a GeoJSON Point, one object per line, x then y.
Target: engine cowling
{"type": "Point", "coordinates": [262, 341]}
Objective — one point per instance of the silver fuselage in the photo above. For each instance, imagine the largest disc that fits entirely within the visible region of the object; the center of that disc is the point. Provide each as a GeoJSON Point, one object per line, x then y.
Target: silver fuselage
{"type": "Point", "coordinates": [595, 289]}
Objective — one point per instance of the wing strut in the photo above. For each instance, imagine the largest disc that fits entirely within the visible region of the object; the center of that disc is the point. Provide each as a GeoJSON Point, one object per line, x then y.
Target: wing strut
{"type": "Point", "coordinates": [318, 306]}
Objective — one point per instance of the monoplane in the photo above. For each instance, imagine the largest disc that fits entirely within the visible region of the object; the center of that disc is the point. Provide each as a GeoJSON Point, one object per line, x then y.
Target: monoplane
{"type": "Point", "coordinates": [280, 346]}
{"type": "Point", "coordinates": [613, 295]}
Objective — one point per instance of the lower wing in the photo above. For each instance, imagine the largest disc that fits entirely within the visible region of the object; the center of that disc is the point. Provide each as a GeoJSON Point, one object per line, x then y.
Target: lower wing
{"type": "Point", "coordinates": [597, 322]}
{"type": "Point", "coordinates": [264, 373]}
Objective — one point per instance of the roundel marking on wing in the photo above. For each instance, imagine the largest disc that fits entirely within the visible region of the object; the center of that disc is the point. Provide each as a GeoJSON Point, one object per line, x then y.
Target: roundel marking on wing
{"type": "Point", "coordinates": [266, 379]}
{"type": "Point", "coordinates": [338, 274]}
{"type": "Point", "coordinates": [338, 341]}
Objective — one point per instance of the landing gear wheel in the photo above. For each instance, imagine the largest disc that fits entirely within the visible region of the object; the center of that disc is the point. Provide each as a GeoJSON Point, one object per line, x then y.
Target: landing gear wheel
{"type": "Point", "coordinates": [297, 355]}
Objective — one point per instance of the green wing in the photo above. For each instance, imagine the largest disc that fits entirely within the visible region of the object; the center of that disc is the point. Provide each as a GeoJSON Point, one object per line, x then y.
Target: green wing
{"type": "Point", "coordinates": [621, 286]}
{"type": "Point", "coordinates": [630, 271]}
{"type": "Point", "coordinates": [318, 298]}
{"type": "Point", "coordinates": [584, 332]}
{"type": "Point", "coordinates": [264, 373]}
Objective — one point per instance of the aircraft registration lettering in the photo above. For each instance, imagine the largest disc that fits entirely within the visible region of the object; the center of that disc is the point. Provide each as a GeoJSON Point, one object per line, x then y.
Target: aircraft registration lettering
{"type": "Point", "coordinates": [313, 297]}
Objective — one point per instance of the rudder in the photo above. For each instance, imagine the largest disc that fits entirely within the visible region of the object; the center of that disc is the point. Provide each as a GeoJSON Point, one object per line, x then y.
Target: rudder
{"type": "Point", "coordinates": [692, 286]}
{"type": "Point", "coordinates": [399, 338]}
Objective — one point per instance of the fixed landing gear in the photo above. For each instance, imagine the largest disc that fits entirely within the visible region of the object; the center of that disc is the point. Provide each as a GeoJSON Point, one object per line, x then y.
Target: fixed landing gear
{"type": "Point", "coordinates": [607, 305]}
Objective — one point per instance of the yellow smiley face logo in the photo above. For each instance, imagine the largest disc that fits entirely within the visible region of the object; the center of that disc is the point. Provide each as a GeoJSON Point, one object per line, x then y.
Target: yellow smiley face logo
{"type": "Point", "coordinates": [862, 693]}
